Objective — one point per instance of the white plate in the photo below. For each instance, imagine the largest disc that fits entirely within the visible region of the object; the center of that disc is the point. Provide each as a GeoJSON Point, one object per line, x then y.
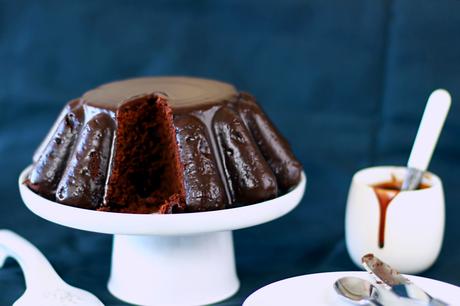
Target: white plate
{"type": "Point", "coordinates": [317, 290]}
{"type": "Point", "coordinates": [156, 224]}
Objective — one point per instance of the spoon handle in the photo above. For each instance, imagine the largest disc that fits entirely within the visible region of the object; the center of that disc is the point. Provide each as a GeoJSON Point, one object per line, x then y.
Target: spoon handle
{"type": "Point", "coordinates": [36, 268]}
{"type": "Point", "coordinates": [429, 130]}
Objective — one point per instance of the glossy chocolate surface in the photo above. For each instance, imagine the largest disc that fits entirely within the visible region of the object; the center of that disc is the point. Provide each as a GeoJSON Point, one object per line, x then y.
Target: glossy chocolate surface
{"type": "Point", "coordinates": [181, 92]}
{"type": "Point", "coordinates": [230, 152]}
{"type": "Point", "coordinates": [83, 180]}
{"type": "Point", "coordinates": [53, 157]}
{"type": "Point", "coordinates": [202, 179]}
{"type": "Point", "coordinates": [248, 174]}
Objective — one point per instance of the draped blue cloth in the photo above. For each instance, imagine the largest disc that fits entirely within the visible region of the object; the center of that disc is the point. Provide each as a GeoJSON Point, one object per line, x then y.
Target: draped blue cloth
{"type": "Point", "coordinates": [345, 81]}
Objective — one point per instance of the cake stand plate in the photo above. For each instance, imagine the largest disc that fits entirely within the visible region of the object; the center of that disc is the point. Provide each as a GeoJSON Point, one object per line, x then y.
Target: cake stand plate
{"type": "Point", "coordinates": [179, 259]}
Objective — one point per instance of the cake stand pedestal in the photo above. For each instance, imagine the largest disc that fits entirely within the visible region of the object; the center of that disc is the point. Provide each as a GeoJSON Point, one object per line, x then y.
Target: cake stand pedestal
{"type": "Point", "coordinates": [177, 270]}
{"type": "Point", "coordinates": [182, 259]}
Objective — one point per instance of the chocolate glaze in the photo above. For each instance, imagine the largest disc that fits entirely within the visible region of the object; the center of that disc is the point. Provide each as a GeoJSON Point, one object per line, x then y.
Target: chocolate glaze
{"type": "Point", "coordinates": [182, 92]}
{"type": "Point", "coordinates": [202, 181]}
{"type": "Point", "coordinates": [248, 174]}
{"type": "Point", "coordinates": [52, 160]}
{"type": "Point", "coordinates": [230, 152]}
{"type": "Point", "coordinates": [280, 157]}
{"type": "Point", "coordinates": [83, 180]}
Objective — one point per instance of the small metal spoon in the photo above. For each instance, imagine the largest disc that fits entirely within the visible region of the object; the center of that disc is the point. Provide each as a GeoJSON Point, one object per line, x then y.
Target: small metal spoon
{"type": "Point", "coordinates": [357, 291]}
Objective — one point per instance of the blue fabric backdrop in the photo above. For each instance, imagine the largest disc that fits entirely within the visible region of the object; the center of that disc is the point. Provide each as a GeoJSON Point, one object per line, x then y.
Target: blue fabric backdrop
{"type": "Point", "coordinates": [345, 81]}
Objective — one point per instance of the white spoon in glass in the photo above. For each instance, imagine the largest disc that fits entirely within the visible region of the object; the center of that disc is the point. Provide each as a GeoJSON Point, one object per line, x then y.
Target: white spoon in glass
{"type": "Point", "coordinates": [428, 133]}
{"type": "Point", "coordinates": [43, 285]}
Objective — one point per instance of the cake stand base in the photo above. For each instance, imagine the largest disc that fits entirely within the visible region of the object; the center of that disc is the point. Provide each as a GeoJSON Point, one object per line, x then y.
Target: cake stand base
{"type": "Point", "coordinates": [173, 270]}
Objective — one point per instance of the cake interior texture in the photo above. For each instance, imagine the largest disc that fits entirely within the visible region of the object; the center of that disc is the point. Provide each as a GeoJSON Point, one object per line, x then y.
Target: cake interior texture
{"type": "Point", "coordinates": [146, 171]}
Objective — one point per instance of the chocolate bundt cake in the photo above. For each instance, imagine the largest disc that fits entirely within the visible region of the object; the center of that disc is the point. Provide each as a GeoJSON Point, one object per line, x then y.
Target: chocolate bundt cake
{"type": "Point", "coordinates": [165, 145]}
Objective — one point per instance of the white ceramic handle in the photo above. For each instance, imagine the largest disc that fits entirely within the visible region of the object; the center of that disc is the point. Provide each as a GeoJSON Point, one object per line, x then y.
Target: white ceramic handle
{"type": "Point", "coordinates": [429, 130]}
{"type": "Point", "coordinates": [36, 268]}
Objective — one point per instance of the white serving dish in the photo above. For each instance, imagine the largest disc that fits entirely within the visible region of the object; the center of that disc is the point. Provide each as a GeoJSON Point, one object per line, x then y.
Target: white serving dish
{"type": "Point", "coordinates": [317, 289]}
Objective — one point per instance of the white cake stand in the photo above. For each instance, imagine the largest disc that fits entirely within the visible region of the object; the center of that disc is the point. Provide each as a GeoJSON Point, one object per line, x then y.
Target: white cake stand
{"type": "Point", "coordinates": [181, 259]}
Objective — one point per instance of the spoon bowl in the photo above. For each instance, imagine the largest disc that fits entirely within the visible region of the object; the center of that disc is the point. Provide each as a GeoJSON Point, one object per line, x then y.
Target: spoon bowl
{"type": "Point", "coordinates": [357, 291]}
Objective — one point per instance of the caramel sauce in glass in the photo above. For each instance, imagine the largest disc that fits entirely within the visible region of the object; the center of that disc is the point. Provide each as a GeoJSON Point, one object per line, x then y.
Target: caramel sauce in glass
{"type": "Point", "coordinates": [386, 192]}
